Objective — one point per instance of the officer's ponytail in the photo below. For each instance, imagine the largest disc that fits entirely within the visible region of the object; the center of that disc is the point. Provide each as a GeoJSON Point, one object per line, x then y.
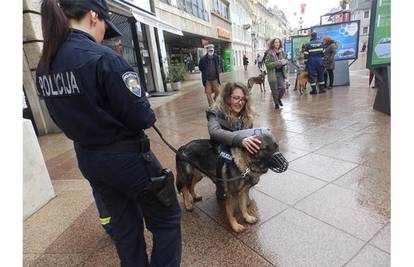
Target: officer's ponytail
{"type": "Point", "coordinates": [55, 26]}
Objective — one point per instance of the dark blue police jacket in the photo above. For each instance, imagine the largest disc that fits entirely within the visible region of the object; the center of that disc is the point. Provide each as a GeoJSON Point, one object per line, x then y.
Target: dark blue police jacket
{"type": "Point", "coordinates": [314, 50]}
{"type": "Point", "coordinates": [93, 94]}
{"type": "Point", "coordinates": [203, 66]}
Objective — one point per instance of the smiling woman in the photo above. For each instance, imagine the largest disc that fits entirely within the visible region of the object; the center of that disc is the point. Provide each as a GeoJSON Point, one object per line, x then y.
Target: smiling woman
{"type": "Point", "coordinates": [232, 112]}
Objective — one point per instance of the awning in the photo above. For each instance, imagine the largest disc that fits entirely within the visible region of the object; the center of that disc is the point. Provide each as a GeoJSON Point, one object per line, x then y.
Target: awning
{"type": "Point", "coordinates": [149, 19]}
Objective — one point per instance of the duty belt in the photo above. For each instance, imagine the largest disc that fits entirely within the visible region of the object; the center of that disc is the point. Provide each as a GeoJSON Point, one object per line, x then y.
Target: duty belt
{"type": "Point", "coordinates": [141, 145]}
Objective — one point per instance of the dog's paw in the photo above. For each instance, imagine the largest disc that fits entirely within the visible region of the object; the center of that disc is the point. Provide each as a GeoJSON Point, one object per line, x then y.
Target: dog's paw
{"type": "Point", "coordinates": [250, 219]}
{"type": "Point", "coordinates": [238, 228]}
{"type": "Point", "coordinates": [197, 198]}
{"type": "Point", "coordinates": [189, 207]}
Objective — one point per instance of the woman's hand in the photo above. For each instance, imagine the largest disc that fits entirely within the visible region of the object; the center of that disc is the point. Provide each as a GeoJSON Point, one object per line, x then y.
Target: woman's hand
{"type": "Point", "coordinates": [251, 144]}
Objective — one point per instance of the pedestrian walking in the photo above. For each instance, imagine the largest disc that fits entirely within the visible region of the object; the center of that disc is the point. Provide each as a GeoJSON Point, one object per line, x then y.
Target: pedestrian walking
{"type": "Point", "coordinates": [364, 47]}
{"type": "Point", "coordinates": [275, 61]}
{"type": "Point", "coordinates": [245, 62]}
{"type": "Point", "coordinates": [209, 66]}
{"type": "Point", "coordinates": [95, 97]}
{"type": "Point", "coordinates": [314, 53]}
{"type": "Point", "coordinates": [329, 59]}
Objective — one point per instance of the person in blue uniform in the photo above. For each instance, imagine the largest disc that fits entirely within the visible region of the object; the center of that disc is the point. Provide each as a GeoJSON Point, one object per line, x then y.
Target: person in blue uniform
{"type": "Point", "coordinates": [314, 53]}
{"type": "Point", "coordinates": [96, 98]}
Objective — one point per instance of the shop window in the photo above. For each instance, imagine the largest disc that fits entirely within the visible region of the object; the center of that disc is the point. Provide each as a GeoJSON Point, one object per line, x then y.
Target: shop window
{"type": "Point", "coordinates": [220, 8]}
{"type": "Point", "coordinates": [126, 47]}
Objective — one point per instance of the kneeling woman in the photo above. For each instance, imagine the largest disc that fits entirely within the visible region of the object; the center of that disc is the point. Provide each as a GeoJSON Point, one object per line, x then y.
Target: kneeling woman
{"type": "Point", "coordinates": [231, 112]}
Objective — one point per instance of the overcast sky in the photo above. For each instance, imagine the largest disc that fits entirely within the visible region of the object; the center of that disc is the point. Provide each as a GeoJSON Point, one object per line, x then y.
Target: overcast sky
{"type": "Point", "coordinates": [313, 10]}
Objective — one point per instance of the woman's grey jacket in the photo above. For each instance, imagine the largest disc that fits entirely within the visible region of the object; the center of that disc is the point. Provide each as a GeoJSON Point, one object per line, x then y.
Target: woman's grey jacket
{"type": "Point", "coordinates": [329, 56]}
{"type": "Point", "coordinates": [220, 129]}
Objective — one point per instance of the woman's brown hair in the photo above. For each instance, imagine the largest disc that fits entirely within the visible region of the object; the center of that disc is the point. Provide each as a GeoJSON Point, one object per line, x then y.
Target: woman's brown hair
{"type": "Point", "coordinates": [326, 39]}
{"type": "Point", "coordinates": [271, 43]}
{"type": "Point", "coordinates": [55, 26]}
{"type": "Point", "coordinates": [224, 100]}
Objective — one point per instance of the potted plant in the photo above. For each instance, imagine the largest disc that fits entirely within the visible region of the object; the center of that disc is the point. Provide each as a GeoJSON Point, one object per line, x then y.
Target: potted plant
{"type": "Point", "coordinates": [176, 75]}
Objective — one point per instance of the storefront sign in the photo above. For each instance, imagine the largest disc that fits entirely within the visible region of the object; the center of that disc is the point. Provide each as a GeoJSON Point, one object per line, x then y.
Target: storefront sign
{"type": "Point", "coordinates": [223, 33]}
{"type": "Point", "coordinates": [379, 48]}
{"type": "Point", "coordinates": [346, 34]}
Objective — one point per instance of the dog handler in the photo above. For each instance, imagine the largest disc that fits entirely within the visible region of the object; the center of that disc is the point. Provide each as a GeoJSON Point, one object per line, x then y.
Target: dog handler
{"type": "Point", "coordinates": [314, 53]}
{"type": "Point", "coordinates": [94, 96]}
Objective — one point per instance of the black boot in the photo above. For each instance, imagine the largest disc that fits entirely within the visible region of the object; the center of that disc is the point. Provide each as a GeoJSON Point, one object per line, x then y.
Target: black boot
{"type": "Point", "coordinates": [280, 102]}
{"type": "Point", "coordinates": [313, 92]}
{"type": "Point", "coordinates": [322, 88]}
{"type": "Point", "coordinates": [220, 194]}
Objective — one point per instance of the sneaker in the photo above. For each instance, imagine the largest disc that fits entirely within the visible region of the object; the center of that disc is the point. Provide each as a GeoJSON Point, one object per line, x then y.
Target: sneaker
{"type": "Point", "coordinates": [313, 92]}
{"type": "Point", "coordinates": [280, 103]}
{"type": "Point", "coordinates": [322, 91]}
{"type": "Point", "coordinates": [329, 87]}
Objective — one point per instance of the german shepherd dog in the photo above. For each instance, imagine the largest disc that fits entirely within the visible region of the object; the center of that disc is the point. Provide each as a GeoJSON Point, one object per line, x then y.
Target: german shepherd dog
{"type": "Point", "coordinates": [260, 79]}
{"type": "Point", "coordinates": [203, 154]}
{"type": "Point", "coordinates": [302, 81]}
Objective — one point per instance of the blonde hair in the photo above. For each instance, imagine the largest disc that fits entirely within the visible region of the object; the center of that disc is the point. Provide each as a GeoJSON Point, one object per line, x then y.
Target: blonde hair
{"type": "Point", "coordinates": [223, 104]}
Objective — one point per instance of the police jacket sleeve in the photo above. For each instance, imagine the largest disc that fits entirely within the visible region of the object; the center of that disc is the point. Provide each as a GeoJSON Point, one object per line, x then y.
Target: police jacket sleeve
{"type": "Point", "coordinates": [125, 97]}
{"type": "Point", "coordinates": [220, 135]}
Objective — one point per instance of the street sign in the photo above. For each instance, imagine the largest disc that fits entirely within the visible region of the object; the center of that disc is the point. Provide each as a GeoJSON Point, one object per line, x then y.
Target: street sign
{"type": "Point", "coordinates": [379, 42]}
{"type": "Point", "coordinates": [346, 34]}
{"type": "Point", "coordinates": [297, 42]}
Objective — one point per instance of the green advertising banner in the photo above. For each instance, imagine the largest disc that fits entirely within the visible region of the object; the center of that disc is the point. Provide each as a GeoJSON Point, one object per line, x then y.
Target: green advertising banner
{"type": "Point", "coordinates": [227, 54]}
{"type": "Point", "coordinates": [297, 42]}
{"type": "Point", "coordinates": [379, 49]}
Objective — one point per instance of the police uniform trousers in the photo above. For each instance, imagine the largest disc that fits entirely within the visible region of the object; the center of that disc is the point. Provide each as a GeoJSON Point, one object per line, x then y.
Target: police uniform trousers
{"type": "Point", "coordinates": [104, 215]}
{"type": "Point", "coordinates": [121, 179]}
{"type": "Point", "coordinates": [316, 71]}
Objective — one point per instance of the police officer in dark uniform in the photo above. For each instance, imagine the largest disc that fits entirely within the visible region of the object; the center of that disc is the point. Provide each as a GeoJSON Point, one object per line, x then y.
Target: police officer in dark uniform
{"type": "Point", "coordinates": [94, 96]}
{"type": "Point", "coordinates": [314, 53]}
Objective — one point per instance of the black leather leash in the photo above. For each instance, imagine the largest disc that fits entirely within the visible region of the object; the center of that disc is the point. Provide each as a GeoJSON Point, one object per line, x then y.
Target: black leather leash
{"type": "Point", "coordinates": [192, 163]}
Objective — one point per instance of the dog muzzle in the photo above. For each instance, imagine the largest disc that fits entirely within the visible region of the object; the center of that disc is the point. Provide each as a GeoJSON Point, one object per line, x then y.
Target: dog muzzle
{"type": "Point", "coordinates": [278, 163]}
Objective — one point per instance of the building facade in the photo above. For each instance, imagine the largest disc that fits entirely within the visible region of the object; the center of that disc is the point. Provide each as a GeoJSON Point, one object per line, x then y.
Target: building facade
{"type": "Point", "coordinates": [202, 22]}
{"type": "Point", "coordinates": [268, 23]}
{"type": "Point", "coordinates": [361, 10]}
{"type": "Point", "coordinates": [241, 32]}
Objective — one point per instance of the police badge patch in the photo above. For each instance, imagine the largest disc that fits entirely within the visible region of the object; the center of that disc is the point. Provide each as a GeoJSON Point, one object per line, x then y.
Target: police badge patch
{"type": "Point", "coordinates": [131, 81]}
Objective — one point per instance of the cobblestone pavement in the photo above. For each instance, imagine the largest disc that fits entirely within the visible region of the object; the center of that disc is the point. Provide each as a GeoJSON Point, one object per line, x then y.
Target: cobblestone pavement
{"type": "Point", "coordinates": [331, 208]}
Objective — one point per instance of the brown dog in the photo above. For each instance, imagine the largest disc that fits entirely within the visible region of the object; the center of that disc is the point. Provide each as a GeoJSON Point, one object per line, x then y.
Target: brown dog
{"type": "Point", "coordinates": [302, 81]}
{"type": "Point", "coordinates": [257, 80]}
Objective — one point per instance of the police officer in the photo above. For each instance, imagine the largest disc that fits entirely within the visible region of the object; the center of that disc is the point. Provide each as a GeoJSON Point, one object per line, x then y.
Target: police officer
{"type": "Point", "coordinates": [95, 97]}
{"type": "Point", "coordinates": [314, 53]}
